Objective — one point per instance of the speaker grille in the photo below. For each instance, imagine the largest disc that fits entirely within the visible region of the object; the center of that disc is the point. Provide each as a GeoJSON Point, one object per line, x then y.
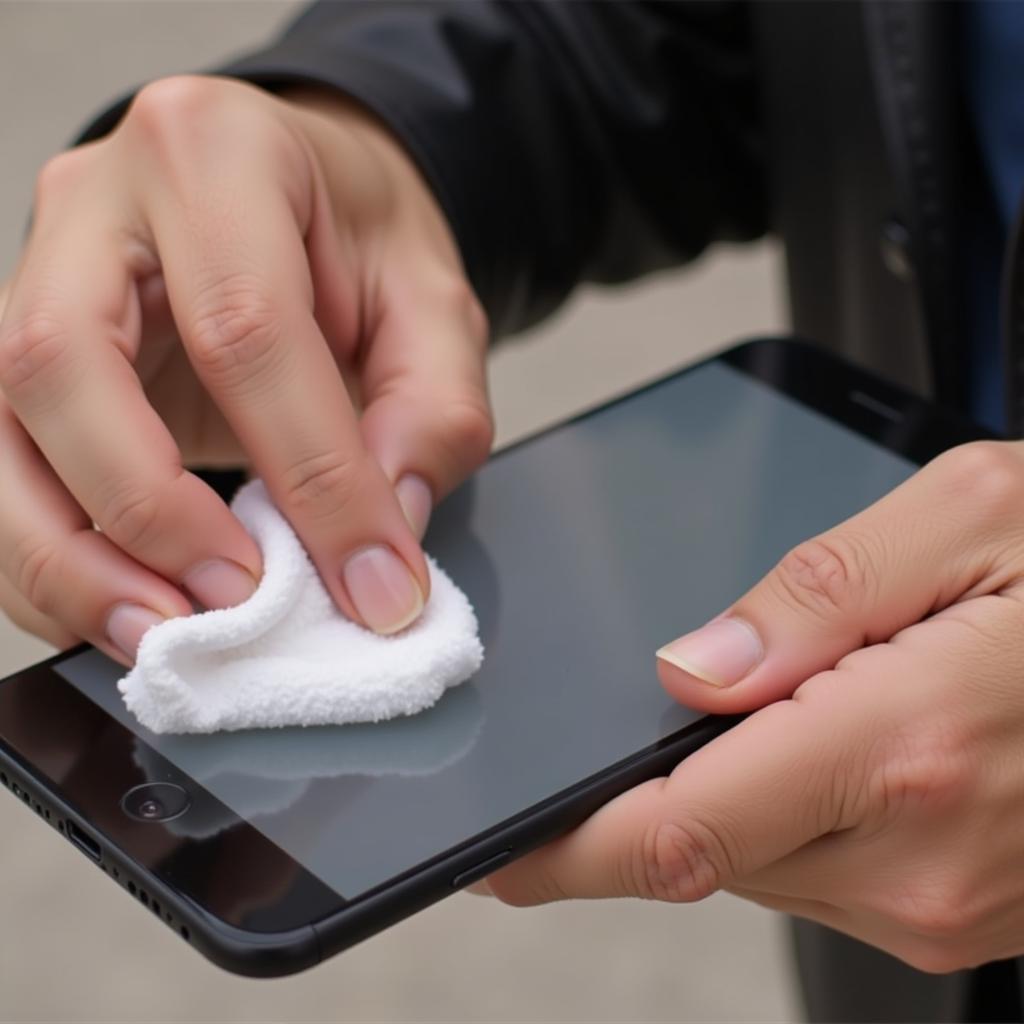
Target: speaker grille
{"type": "Point", "coordinates": [120, 872]}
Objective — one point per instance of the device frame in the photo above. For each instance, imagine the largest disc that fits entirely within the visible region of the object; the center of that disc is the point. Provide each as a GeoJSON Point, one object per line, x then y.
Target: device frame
{"type": "Point", "coordinates": [881, 412]}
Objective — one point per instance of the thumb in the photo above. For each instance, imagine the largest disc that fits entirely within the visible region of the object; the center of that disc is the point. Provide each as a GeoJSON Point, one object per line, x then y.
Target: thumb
{"type": "Point", "coordinates": [778, 780]}
{"type": "Point", "coordinates": [916, 550]}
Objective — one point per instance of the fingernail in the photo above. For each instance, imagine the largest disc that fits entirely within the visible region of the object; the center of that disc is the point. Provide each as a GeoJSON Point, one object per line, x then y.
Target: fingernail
{"type": "Point", "coordinates": [219, 583]}
{"type": "Point", "coordinates": [721, 653]}
{"type": "Point", "coordinates": [416, 500]}
{"type": "Point", "coordinates": [383, 590]}
{"type": "Point", "coordinates": [126, 624]}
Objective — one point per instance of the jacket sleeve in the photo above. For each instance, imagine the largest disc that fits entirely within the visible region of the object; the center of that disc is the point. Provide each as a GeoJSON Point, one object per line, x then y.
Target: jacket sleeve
{"type": "Point", "coordinates": [565, 141]}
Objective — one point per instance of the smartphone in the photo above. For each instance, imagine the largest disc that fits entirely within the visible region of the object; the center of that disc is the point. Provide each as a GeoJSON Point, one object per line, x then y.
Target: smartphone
{"type": "Point", "coordinates": [583, 549]}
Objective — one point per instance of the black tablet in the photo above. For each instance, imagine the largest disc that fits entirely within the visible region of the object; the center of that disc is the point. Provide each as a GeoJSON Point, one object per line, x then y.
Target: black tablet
{"type": "Point", "coordinates": [583, 550]}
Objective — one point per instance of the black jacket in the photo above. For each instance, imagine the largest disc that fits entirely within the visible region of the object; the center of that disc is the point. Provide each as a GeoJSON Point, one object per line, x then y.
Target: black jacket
{"type": "Point", "coordinates": [577, 141]}
{"type": "Point", "coordinates": [601, 141]}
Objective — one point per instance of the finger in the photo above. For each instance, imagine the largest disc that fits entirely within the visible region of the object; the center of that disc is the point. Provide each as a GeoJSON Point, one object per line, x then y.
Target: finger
{"type": "Point", "coordinates": [941, 695]}
{"type": "Point", "coordinates": [241, 294]}
{"type": "Point", "coordinates": [69, 332]}
{"type": "Point", "coordinates": [934, 954]}
{"type": "Point", "coordinates": [812, 910]}
{"type": "Point", "coordinates": [826, 914]}
{"type": "Point", "coordinates": [784, 776]}
{"type": "Point", "coordinates": [31, 621]}
{"type": "Point", "coordinates": [66, 572]}
{"type": "Point", "coordinates": [427, 416]}
{"type": "Point", "coordinates": [937, 538]}
{"type": "Point", "coordinates": [14, 606]}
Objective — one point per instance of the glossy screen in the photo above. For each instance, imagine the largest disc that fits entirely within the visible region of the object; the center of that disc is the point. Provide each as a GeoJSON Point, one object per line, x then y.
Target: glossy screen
{"type": "Point", "coordinates": [582, 551]}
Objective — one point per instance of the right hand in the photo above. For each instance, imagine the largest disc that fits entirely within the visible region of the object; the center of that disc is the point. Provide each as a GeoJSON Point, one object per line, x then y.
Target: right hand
{"type": "Point", "coordinates": [230, 277]}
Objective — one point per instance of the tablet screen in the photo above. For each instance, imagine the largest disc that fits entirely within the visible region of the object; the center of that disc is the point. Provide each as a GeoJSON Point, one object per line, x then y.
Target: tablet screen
{"type": "Point", "coordinates": [583, 551]}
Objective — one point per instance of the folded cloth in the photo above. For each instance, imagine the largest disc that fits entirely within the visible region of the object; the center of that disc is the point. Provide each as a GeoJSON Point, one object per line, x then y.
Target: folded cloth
{"type": "Point", "coordinates": [287, 656]}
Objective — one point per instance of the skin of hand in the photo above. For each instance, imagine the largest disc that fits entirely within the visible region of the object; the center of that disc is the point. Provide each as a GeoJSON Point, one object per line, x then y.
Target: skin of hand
{"type": "Point", "coordinates": [230, 278]}
{"type": "Point", "coordinates": [879, 786]}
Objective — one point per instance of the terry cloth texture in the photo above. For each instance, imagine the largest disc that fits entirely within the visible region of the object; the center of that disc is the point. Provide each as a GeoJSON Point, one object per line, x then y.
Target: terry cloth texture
{"type": "Point", "coordinates": [288, 657]}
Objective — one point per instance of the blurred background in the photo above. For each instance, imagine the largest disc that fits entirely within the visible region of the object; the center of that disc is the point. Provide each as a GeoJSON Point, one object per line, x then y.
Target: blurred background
{"type": "Point", "coordinates": [74, 947]}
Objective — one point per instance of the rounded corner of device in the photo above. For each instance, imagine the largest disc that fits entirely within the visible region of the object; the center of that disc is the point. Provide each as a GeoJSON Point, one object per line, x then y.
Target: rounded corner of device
{"type": "Point", "coordinates": [253, 954]}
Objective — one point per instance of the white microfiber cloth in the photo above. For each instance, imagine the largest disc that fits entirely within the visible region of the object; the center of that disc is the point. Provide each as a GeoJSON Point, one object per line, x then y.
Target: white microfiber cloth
{"type": "Point", "coordinates": [287, 656]}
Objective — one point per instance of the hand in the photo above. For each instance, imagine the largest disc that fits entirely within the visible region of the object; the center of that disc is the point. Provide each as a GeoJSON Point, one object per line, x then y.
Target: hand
{"type": "Point", "coordinates": [230, 277]}
{"type": "Point", "coordinates": [881, 790]}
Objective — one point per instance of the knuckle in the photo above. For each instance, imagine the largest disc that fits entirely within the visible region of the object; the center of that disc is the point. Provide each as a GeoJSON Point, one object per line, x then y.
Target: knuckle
{"type": "Point", "coordinates": [238, 340]}
{"type": "Point", "coordinates": [320, 485]}
{"type": "Point", "coordinates": [56, 175]}
{"type": "Point", "coordinates": [928, 778]}
{"type": "Point", "coordinates": [927, 774]}
{"type": "Point", "coordinates": [132, 518]}
{"type": "Point", "coordinates": [676, 863]}
{"type": "Point", "coordinates": [30, 351]}
{"type": "Point", "coordinates": [987, 474]}
{"type": "Point", "coordinates": [934, 957]}
{"type": "Point", "coordinates": [161, 108]}
{"type": "Point", "coordinates": [826, 575]}
{"type": "Point", "coordinates": [35, 570]}
{"type": "Point", "coordinates": [939, 910]}
{"type": "Point", "coordinates": [469, 430]}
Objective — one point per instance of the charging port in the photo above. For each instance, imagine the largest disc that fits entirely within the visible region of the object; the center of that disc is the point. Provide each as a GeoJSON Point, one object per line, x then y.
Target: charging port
{"type": "Point", "coordinates": [84, 841]}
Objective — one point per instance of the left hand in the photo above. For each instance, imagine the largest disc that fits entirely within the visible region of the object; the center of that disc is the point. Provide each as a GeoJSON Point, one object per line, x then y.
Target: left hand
{"type": "Point", "coordinates": [881, 790]}
{"type": "Point", "coordinates": [230, 277]}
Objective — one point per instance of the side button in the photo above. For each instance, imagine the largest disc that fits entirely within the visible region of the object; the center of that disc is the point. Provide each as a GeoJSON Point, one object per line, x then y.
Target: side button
{"type": "Point", "coordinates": [481, 870]}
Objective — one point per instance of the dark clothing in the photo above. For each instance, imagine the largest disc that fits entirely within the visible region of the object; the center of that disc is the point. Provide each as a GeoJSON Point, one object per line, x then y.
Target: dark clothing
{"type": "Point", "coordinates": [576, 141]}
{"type": "Point", "coordinates": [993, 45]}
